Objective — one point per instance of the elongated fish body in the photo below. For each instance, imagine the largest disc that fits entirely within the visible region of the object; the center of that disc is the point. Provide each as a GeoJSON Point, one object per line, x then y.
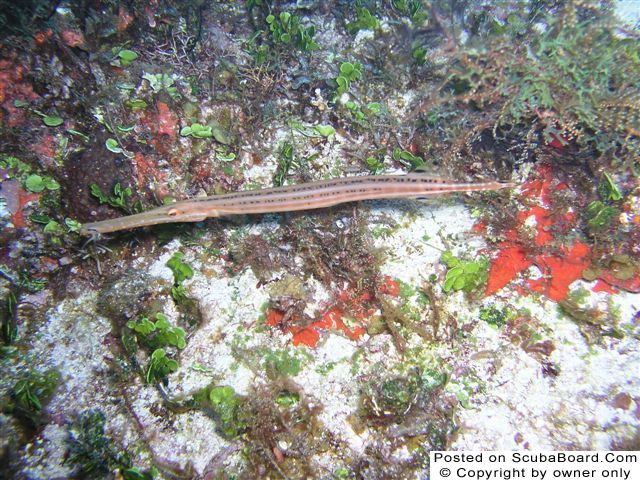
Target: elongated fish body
{"type": "Point", "coordinates": [306, 196]}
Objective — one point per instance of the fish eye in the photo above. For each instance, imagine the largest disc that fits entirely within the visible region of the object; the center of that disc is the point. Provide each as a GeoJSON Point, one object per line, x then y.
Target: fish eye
{"type": "Point", "coordinates": [173, 212]}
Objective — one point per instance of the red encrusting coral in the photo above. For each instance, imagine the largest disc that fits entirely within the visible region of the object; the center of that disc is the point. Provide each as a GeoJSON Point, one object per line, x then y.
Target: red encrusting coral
{"type": "Point", "coordinates": [73, 38]}
{"type": "Point", "coordinates": [125, 19]}
{"type": "Point", "coordinates": [45, 147]}
{"type": "Point", "coordinates": [17, 198]}
{"type": "Point", "coordinates": [167, 120]}
{"type": "Point", "coordinates": [310, 335]}
{"type": "Point", "coordinates": [306, 336]}
{"type": "Point", "coordinates": [479, 227]}
{"type": "Point", "coordinates": [273, 317]}
{"type": "Point", "coordinates": [48, 265]}
{"type": "Point", "coordinates": [543, 222]}
{"type": "Point", "coordinates": [510, 261]}
{"type": "Point", "coordinates": [602, 286]}
{"type": "Point", "coordinates": [42, 37]}
{"type": "Point", "coordinates": [13, 87]}
{"type": "Point", "coordinates": [559, 270]}
{"type": "Point", "coordinates": [630, 284]}
{"type": "Point", "coordinates": [147, 172]}
{"type": "Point", "coordinates": [162, 122]}
{"type": "Point", "coordinates": [390, 287]}
{"type": "Point", "coordinates": [538, 188]}
{"type": "Point", "coordinates": [558, 141]}
{"type": "Point", "coordinates": [334, 317]}
{"type": "Point", "coordinates": [560, 265]}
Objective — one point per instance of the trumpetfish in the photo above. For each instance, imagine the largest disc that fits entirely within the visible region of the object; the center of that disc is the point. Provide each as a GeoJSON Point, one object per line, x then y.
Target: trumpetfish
{"type": "Point", "coordinates": [305, 196]}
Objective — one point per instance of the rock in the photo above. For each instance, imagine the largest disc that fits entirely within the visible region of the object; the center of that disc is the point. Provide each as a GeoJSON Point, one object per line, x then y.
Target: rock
{"type": "Point", "coordinates": [128, 295]}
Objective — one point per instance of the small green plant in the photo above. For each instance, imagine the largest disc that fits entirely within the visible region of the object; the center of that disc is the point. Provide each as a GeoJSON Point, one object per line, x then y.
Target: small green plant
{"type": "Point", "coordinates": [601, 213]}
{"type": "Point", "coordinates": [136, 104]}
{"type": "Point", "coordinates": [17, 168]}
{"type": "Point", "coordinates": [394, 396]}
{"type": "Point", "coordinates": [325, 130]}
{"type": "Point", "coordinates": [9, 321]}
{"type": "Point", "coordinates": [161, 81]}
{"type": "Point", "coordinates": [31, 283]}
{"type": "Point", "coordinates": [465, 276]}
{"type": "Point", "coordinates": [125, 128]}
{"type": "Point", "coordinates": [494, 316]}
{"type": "Point", "coordinates": [124, 58]}
{"type": "Point", "coordinates": [287, 399]}
{"type": "Point", "coordinates": [349, 72]}
{"type": "Point", "coordinates": [37, 183]}
{"type": "Point", "coordinates": [72, 225]}
{"type": "Point", "coordinates": [197, 130]}
{"type": "Point", "coordinates": [373, 108]}
{"type": "Point", "coordinates": [355, 110]}
{"type": "Point", "coordinates": [113, 145]}
{"type": "Point", "coordinates": [375, 165]}
{"type": "Point", "coordinates": [52, 120]}
{"type": "Point", "coordinates": [31, 394]}
{"type": "Point", "coordinates": [160, 366]}
{"type": "Point", "coordinates": [260, 54]}
{"type": "Point", "coordinates": [137, 473]}
{"type": "Point", "coordinates": [362, 114]}
{"type": "Point", "coordinates": [21, 171]}
{"type": "Point", "coordinates": [419, 53]}
{"type": "Point", "coordinates": [48, 120]}
{"type": "Point", "coordinates": [225, 156]}
{"type": "Point", "coordinates": [281, 363]}
{"type": "Point", "coordinates": [285, 163]}
{"type": "Point", "coordinates": [119, 199]}
{"type": "Point", "coordinates": [89, 449]}
{"type": "Point", "coordinates": [287, 29]}
{"type": "Point", "coordinates": [406, 158]}
{"type": "Point", "coordinates": [324, 368]}
{"type": "Point", "coordinates": [364, 21]}
{"type": "Point", "coordinates": [155, 336]}
{"type": "Point", "coordinates": [464, 388]}
{"type": "Point", "coordinates": [413, 9]}
{"type": "Point", "coordinates": [53, 226]}
{"type": "Point", "coordinates": [609, 190]}
{"type": "Point", "coordinates": [226, 407]}
{"type": "Point", "coordinates": [159, 333]}
{"type": "Point", "coordinates": [311, 131]}
{"type": "Point", "coordinates": [585, 100]}
{"type": "Point", "coordinates": [342, 473]}
{"type": "Point", "coordinates": [181, 271]}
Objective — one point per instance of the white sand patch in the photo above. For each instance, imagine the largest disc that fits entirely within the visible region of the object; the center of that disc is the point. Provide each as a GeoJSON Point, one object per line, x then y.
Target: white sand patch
{"type": "Point", "coordinates": [571, 411]}
{"type": "Point", "coordinates": [73, 339]}
{"type": "Point", "coordinates": [416, 248]}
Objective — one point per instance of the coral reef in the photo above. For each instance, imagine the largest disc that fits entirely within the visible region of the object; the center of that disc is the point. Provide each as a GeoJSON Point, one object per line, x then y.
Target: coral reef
{"type": "Point", "coordinates": [342, 343]}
